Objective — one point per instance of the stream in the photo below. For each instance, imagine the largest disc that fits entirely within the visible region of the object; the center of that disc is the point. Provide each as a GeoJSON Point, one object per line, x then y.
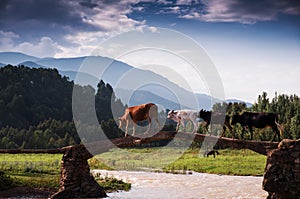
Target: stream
{"type": "Point", "coordinates": [150, 185]}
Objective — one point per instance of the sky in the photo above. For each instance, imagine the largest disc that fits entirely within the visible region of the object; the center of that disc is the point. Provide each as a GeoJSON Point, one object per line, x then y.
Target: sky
{"type": "Point", "coordinates": [254, 45]}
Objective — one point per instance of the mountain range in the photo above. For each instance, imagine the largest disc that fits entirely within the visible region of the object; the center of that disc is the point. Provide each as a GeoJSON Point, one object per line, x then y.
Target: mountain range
{"type": "Point", "coordinates": [132, 85]}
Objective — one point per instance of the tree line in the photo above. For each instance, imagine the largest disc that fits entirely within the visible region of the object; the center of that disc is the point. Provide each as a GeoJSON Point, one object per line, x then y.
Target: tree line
{"type": "Point", "coordinates": [287, 107]}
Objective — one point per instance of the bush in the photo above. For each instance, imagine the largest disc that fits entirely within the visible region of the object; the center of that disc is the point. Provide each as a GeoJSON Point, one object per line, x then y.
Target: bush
{"type": "Point", "coordinates": [6, 181]}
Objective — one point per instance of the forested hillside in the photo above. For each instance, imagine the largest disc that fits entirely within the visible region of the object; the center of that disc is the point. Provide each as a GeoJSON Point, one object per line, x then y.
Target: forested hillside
{"type": "Point", "coordinates": [36, 108]}
{"type": "Point", "coordinates": [29, 96]}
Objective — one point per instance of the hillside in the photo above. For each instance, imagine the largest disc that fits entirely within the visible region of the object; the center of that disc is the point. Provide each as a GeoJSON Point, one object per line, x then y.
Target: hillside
{"type": "Point", "coordinates": [121, 76]}
{"type": "Point", "coordinates": [36, 108]}
{"type": "Point", "coordinates": [29, 96]}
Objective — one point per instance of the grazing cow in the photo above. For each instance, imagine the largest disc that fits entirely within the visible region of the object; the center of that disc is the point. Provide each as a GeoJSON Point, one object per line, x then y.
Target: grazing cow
{"type": "Point", "coordinates": [182, 116]}
{"type": "Point", "coordinates": [257, 120]}
{"type": "Point", "coordinates": [139, 113]}
{"type": "Point", "coordinates": [207, 153]}
{"type": "Point", "coordinates": [219, 118]}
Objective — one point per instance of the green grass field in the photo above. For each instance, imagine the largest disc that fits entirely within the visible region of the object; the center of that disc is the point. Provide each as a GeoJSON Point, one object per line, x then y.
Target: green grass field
{"type": "Point", "coordinates": [43, 170]}
{"type": "Point", "coordinates": [230, 162]}
{"type": "Point", "coordinates": [33, 170]}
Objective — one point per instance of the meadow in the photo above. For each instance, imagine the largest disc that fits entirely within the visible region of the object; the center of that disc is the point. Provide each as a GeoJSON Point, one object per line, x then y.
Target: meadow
{"type": "Point", "coordinates": [176, 160]}
{"type": "Point", "coordinates": [43, 170]}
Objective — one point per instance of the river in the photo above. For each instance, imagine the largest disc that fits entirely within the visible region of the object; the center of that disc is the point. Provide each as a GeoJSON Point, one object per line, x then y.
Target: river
{"type": "Point", "coordinates": [150, 185]}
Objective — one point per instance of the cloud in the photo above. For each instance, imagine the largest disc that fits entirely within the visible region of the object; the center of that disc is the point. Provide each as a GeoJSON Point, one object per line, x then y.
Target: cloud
{"type": "Point", "coordinates": [37, 23]}
{"type": "Point", "coordinates": [246, 12]}
{"type": "Point", "coordinates": [113, 18]}
{"type": "Point", "coordinates": [79, 25]}
{"type": "Point", "coordinates": [7, 40]}
{"type": "Point", "coordinates": [61, 13]}
{"type": "Point", "coordinates": [44, 48]}
{"type": "Point", "coordinates": [186, 2]}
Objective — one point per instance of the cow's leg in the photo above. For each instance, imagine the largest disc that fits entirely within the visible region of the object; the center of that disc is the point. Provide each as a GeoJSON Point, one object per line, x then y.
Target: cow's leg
{"type": "Point", "coordinates": [226, 124]}
{"type": "Point", "coordinates": [133, 128]}
{"type": "Point", "coordinates": [206, 126]}
{"type": "Point", "coordinates": [149, 125]}
{"type": "Point", "coordinates": [120, 123]}
{"type": "Point", "coordinates": [183, 125]}
{"type": "Point", "coordinates": [251, 132]}
{"type": "Point", "coordinates": [126, 128]}
{"type": "Point", "coordinates": [223, 132]}
{"type": "Point", "coordinates": [195, 126]}
{"type": "Point", "coordinates": [178, 125]}
{"type": "Point", "coordinates": [158, 124]}
{"type": "Point", "coordinates": [276, 132]}
{"type": "Point", "coordinates": [243, 131]}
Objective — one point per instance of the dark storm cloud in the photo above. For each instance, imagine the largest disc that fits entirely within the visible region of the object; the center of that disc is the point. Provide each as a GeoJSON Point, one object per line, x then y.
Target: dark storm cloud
{"type": "Point", "coordinates": [88, 3]}
{"type": "Point", "coordinates": [242, 11]}
{"type": "Point", "coordinates": [62, 23]}
{"type": "Point", "coordinates": [266, 7]}
{"type": "Point", "coordinates": [62, 13]}
{"type": "Point", "coordinates": [33, 19]}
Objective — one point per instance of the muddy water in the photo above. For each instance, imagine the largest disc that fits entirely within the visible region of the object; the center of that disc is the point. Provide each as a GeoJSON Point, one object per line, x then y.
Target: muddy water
{"type": "Point", "coordinates": [149, 185]}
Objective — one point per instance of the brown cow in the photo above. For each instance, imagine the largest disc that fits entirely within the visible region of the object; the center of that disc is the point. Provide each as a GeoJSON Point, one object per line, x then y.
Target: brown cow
{"type": "Point", "coordinates": [139, 113]}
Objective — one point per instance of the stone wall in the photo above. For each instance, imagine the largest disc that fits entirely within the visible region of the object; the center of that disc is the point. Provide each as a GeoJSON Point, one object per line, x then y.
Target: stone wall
{"type": "Point", "coordinates": [282, 172]}
{"type": "Point", "coordinates": [76, 180]}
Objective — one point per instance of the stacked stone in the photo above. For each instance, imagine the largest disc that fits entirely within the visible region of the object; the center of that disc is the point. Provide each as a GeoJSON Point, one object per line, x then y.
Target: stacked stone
{"type": "Point", "coordinates": [76, 180]}
{"type": "Point", "coordinates": [282, 172]}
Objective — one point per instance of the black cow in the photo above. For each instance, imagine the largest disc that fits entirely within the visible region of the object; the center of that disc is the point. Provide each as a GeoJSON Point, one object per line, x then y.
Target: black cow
{"type": "Point", "coordinates": [257, 120]}
{"type": "Point", "coordinates": [219, 118]}
{"type": "Point", "coordinates": [207, 153]}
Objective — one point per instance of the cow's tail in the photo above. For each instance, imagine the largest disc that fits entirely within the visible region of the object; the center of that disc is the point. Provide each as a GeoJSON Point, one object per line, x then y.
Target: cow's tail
{"type": "Point", "coordinates": [279, 126]}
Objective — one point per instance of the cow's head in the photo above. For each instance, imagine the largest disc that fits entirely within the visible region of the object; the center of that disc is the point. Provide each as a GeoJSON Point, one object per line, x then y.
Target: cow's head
{"type": "Point", "coordinates": [201, 113]}
{"type": "Point", "coordinates": [171, 114]}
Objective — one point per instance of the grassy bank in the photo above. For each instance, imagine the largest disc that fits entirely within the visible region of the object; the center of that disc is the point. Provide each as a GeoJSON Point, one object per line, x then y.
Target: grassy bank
{"type": "Point", "coordinates": [229, 162]}
{"type": "Point", "coordinates": [32, 170]}
{"type": "Point", "coordinates": [42, 171]}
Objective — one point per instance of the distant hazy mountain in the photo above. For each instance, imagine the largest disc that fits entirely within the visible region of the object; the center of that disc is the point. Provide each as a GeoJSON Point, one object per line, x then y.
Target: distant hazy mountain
{"type": "Point", "coordinates": [31, 64]}
{"type": "Point", "coordinates": [148, 86]}
{"type": "Point", "coordinates": [140, 97]}
{"type": "Point", "coordinates": [15, 58]}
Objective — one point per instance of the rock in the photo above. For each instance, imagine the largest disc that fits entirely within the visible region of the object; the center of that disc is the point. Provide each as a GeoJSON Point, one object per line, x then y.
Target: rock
{"type": "Point", "coordinates": [282, 172]}
{"type": "Point", "coordinates": [76, 180]}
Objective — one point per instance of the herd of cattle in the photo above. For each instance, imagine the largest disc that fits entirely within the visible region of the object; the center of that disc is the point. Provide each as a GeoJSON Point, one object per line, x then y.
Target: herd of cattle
{"type": "Point", "coordinates": [248, 120]}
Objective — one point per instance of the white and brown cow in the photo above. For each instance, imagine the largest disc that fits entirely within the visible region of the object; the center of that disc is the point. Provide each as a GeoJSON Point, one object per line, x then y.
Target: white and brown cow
{"type": "Point", "coordinates": [139, 113]}
{"type": "Point", "coordinates": [183, 116]}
